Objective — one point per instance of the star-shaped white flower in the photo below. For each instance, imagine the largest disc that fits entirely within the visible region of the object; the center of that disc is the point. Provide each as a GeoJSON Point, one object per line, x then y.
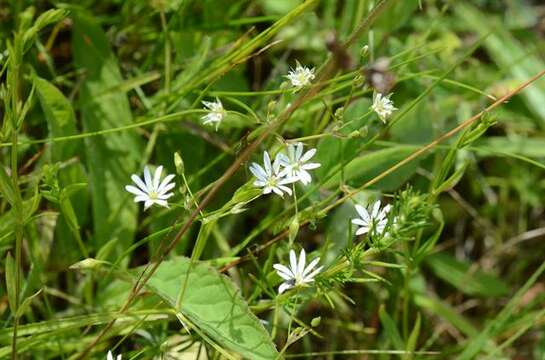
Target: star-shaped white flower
{"type": "Point", "coordinates": [152, 191]}
{"type": "Point", "coordinates": [297, 274]}
{"type": "Point", "coordinates": [269, 176]}
{"type": "Point", "coordinates": [110, 356]}
{"type": "Point", "coordinates": [215, 114]}
{"type": "Point", "coordinates": [383, 106]}
{"type": "Point", "coordinates": [376, 219]}
{"type": "Point", "coordinates": [296, 164]}
{"type": "Point", "coordinates": [301, 76]}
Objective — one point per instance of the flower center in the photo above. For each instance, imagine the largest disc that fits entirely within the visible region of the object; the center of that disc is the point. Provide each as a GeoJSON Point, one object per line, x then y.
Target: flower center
{"type": "Point", "coordinates": [271, 181]}
{"type": "Point", "coordinates": [153, 195]}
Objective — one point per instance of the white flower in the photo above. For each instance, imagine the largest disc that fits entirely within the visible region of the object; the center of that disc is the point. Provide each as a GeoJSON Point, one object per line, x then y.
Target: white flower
{"type": "Point", "coordinates": [374, 219]}
{"type": "Point", "coordinates": [215, 114]}
{"type": "Point", "coordinates": [301, 76]}
{"type": "Point", "coordinates": [383, 106]}
{"type": "Point", "coordinates": [151, 191]}
{"type": "Point", "coordinates": [110, 356]}
{"type": "Point", "coordinates": [296, 164]}
{"type": "Point", "coordinates": [270, 178]}
{"type": "Point", "coordinates": [296, 274]}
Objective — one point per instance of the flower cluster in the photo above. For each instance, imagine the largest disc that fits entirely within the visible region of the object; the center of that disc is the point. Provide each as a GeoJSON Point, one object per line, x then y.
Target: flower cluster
{"type": "Point", "coordinates": [300, 77]}
{"type": "Point", "coordinates": [285, 169]}
{"type": "Point", "coordinates": [383, 106]}
{"type": "Point", "coordinates": [215, 113]}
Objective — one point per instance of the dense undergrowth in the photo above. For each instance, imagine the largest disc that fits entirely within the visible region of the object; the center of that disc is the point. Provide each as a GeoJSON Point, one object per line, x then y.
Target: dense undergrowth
{"type": "Point", "coordinates": [268, 179]}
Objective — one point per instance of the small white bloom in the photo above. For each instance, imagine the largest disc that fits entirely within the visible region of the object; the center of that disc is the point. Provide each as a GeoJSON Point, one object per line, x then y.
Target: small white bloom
{"type": "Point", "coordinates": [297, 274]}
{"type": "Point", "coordinates": [374, 219]}
{"type": "Point", "coordinates": [269, 176]}
{"type": "Point", "coordinates": [110, 356]}
{"type": "Point", "coordinates": [383, 106]}
{"type": "Point", "coordinates": [152, 191]}
{"type": "Point", "coordinates": [296, 164]}
{"type": "Point", "coordinates": [215, 114]}
{"type": "Point", "coordinates": [301, 76]}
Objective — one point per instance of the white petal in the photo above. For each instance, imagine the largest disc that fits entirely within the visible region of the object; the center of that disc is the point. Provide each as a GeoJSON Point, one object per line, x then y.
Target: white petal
{"type": "Point", "coordinates": [310, 277]}
{"type": "Point", "coordinates": [308, 155]}
{"type": "Point", "coordinates": [302, 261]}
{"type": "Point", "coordinates": [277, 191]}
{"type": "Point", "coordinates": [376, 208]}
{"type": "Point", "coordinates": [267, 163]}
{"type": "Point", "coordinates": [310, 266]}
{"type": "Point", "coordinates": [166, 182]}
{"type": "Point", "coordinates": [139, 183]}
{"type": "Point", "coordinates": [141, 198]}
{"type": "Point", "coordinates": [362, 212]}
{"type": "Point", "coordinates": [147, 178]}
{"type": "Point", "coordinates": [362, 230]}
{"type": "Point", "coordinates": [360, 222]}
{"type": "Point", "coordinates": [311, 166]}
{"type": "Point", "coordinates": [148, 203]}
{"type": "Point", "coordinates": [258, 171]}
{"type": "Point", "coordinates": [134, 190]}
{"type": "Point", "coordinates": [157, 177]}
{"type": "Point", "coordinates": [286, 189]}
{"type": "Point", "coordinates": [165, 196]}
{"type": "Point", "coordinates": [260, 183]}
{"type": "Point", "coordinates": [109, 356]}
{"type": "Point", "coordinates": [166, 189]}
{"type": "Point", "coordinates": [283, 287]}
{"type": "Point", "coordinates": [162, 203]}
{"type": "Point", "coordinates": [293, 262]}
{"type": "Point", "coordinates": [283, 271]}
{"type": "Point", "coordinates": [305, 177]}
{"type": "Point", "coordinates": [299, 151]}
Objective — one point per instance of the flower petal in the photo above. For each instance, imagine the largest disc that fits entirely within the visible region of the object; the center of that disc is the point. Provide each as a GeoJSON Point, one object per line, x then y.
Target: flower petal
{"type": "Point", "coordinates": [157, 177]}
{"type": "Point", "coordinates": [362, 230]}
{"type": "Point", "coordinates": [293, 262]}
{"type": "Point", "coordinates": [165, 183]}
{"type": "Point", "coordinates": [302, 261]}
{"type": "Point", "coordinates": [139, 183]}
{"type": "Point", "coordinates": [308, 155]}
{"type": "Point", "coordinates": [134, 190]}
{"type": "Point", "coordinates": [283, 287]}
{"type": "Point", "coordinates": [147, 178]}
{"type": "Point", "coordinates": [310, 266]}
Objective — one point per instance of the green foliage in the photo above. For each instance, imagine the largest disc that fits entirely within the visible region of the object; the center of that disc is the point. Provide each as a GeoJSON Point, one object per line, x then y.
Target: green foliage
{"type": "Point", "coordinates": [420, 210]}
{"type": "Point", "coordinates": [212, 303]}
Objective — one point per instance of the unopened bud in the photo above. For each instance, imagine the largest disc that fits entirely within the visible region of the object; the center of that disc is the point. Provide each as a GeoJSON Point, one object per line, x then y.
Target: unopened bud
{"type": "Point", "coordinates": [293, 229]}
{"type": "Point", "coordinates": [179, 163]}
{"type": "Point", "coordinates": [364, 51]}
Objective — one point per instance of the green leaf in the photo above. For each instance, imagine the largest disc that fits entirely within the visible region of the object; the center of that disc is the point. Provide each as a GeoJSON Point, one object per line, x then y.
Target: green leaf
{"type": "Point", "coordinates": [366, 167]}
{"type": "Point", "coordinates": [466, 279]}
{"type": "Point", "coordinates": [11, 282]}
{"type": "Point", "coordinates": [26, 303]}
{"type": "Point", "coordinates": [6, 187]}
{"type": "Point", "coordinates": [390, 328]}
{"type": "Point", "coordinates": [61, 121]}
{"type": "Point", "coordinates": [60, 118]}
{"type": "Point", "coordinates": [213, 303]}
{"type": "Point", "coordinates": [446, 312]}
{"type": "Point", "coordinates": [413, 338]}
{"type": "Point", "coordinates": [113, 158]}
{"type": "Point", "coordinates": [508, 53]}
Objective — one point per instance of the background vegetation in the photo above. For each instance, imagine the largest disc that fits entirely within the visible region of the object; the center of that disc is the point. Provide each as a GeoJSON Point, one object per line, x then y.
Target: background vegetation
{"type": "Point", "coordinates": [92, 91]}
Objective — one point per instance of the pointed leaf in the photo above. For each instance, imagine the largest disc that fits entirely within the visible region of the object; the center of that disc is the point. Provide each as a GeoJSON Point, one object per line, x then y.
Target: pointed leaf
{"type": "Point", "coordinates": [213, 303]}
